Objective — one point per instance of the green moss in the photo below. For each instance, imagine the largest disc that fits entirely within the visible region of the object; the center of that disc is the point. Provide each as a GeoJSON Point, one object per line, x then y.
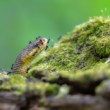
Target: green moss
{"type": "Point", "coordinates": [87, 45]}
{"type": "Point", "coordinates": [99, 72]}
{"type": "Point", "coordinates": [43, 88]}
{"type": "Point", "coordinates": [80, 55]}
{"type": "Point", "coordinates": [102, 46]}
{"type": "Point", "coordinates": [14, 82]}
{"type": "Point", "coordinates": [96, 73]}
{"type": "Point", "coordinates": [18, 84]}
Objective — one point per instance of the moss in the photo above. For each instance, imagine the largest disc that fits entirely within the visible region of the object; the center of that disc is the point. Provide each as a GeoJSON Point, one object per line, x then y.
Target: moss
{"type": "Point", "coordinates": [98, 72]}
{"type": "Point", "coordinates": [14, 82]}
{"type": "Point", "coordinates": [43, 88]}
{"type": "Point", "coordinates": [19, 84]}
{"type": "Point", "coordinates": [102, 46]}
{"type": "Point", "coordinates": [79, 51]}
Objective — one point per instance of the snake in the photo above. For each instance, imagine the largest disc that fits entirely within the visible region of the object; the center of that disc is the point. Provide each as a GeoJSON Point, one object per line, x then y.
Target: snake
{"type": "Point", "coordinates": [24, 59]}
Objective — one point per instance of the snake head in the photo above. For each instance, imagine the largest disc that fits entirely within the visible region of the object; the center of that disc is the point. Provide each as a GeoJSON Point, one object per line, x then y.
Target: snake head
{"type": "Point", "coordinates": [37, 46]}
{"type": "Point", "coordinates": [40, 43]}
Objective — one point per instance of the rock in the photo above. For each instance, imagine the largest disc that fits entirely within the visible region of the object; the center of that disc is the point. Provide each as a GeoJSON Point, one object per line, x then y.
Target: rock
{"type": "Point", "coordinates": [104, 89]}
{"type": "Point", "coordinates": [78, 102]}
{"type": "Point", "coordinates": [10, 101]}
{"type": "Point", "coordinates": [8, 106]}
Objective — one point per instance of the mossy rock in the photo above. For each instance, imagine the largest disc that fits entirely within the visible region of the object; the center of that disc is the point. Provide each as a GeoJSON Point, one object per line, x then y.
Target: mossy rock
{"type": "Point", "coordinates": [19, 84]}
{"type": "Point", "coordinates": [79, 55]}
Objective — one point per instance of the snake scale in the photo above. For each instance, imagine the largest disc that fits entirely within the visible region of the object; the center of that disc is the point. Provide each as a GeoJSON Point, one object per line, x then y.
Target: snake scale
{"type": "Point", "coordinates": [25, 58]}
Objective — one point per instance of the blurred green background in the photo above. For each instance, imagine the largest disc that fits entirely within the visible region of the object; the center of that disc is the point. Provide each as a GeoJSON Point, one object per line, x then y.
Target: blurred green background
{"type": "Point", "coordinates": [23, 20]}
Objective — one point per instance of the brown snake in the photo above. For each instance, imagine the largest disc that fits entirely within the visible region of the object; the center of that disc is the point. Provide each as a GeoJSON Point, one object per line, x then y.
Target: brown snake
{"type": "Point", "coordinates": [25, 58]}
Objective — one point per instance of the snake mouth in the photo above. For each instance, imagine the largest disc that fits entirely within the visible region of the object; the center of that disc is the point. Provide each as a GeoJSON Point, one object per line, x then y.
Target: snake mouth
{"type": "Point", "coordinates": [41, 43]}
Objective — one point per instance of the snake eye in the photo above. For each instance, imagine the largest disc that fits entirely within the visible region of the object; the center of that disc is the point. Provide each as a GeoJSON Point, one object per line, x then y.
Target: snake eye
{"type": "Point", "coordinates": [41, 41]}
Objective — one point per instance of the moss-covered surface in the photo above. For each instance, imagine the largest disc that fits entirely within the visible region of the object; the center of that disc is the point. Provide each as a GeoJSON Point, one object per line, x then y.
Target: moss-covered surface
{"type": "Point", "coordinates": [80, 54]}
{"type": "Point", "coordinates": [75, 64]}
{"type": "Point", "coordinates": [19, 84]}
